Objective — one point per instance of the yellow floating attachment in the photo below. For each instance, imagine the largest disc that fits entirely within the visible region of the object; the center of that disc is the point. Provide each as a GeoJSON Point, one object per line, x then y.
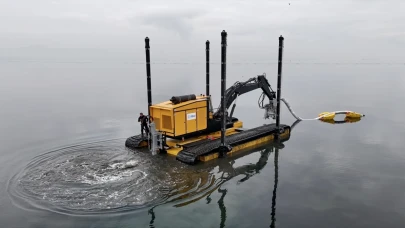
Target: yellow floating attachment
{"type": "Point", "coordinates": [327, 116]}
{"type": "Point", "coordinates": [331, 115]}
{"type": "Point", "coordinates": [352, 119]}
{"type": "Point", "coordinates": [346, 120]}
{"type": "Point", "coordinates": [354, 114]}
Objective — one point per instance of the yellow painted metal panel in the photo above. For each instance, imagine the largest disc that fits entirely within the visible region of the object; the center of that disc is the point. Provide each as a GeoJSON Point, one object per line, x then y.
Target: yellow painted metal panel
{"type": "Point", "coordinates": [180, 123]}
{"type": "Point", "coordinates": [155, 112]}
{"type": "Point", "coordinates": [167, 123]}
{"type": "Point", "coordinates": [167, 120]}
{"type": "Point", "coordinates": [174, 151]}
{"type": "Point", "coordinates": [192, 105]}
{"type": "Point", "coordinates": [238, 124]}
{"type": "Point", "coordinates": [160, 117]}
{"type": "Point", "coordinates": [201, 118]}
{"type": "Point", "coordinates": [191, 120]}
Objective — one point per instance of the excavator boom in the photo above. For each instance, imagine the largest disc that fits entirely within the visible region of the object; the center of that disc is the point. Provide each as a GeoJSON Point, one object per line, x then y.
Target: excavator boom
{"type": "Point", "coordinates": [240, 88]}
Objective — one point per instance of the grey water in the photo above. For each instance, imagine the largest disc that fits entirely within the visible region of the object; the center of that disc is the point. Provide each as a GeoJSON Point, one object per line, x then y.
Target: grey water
{"type": "Point", "coordinates": [73, 81]}
{"type": "Point", "coordinates": [64, 163]}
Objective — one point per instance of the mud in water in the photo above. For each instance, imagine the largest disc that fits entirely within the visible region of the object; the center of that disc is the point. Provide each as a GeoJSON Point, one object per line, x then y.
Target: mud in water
{"type": "Point", "coordinates": [105, 177]}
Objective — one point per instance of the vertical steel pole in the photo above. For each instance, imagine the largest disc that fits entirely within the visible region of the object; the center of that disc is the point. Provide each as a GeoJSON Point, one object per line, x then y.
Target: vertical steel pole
{"type": "Point", "coordinates": [207, 66]}
{"type": "Point", "coordinates": [280, 61]}
{"type": "Point", "coordinates": [149, 87]}
{"type": "Point", "coordinates": [223, 85]}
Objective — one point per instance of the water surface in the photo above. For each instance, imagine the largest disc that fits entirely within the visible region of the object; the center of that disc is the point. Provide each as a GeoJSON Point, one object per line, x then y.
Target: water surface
{"type": "Point", "coordinates": [64, 163]}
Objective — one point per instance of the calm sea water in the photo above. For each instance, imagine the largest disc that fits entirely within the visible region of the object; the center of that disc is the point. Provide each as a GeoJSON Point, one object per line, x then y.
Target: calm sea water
{"type": "Point", "coordinates": [63, 162]}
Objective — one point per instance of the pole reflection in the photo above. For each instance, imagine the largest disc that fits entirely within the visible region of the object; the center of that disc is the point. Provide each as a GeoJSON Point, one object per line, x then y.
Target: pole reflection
{"type": "Point", "coordinates": [227, 172]}
{"type": "Point", "coordinates": [273, 200]}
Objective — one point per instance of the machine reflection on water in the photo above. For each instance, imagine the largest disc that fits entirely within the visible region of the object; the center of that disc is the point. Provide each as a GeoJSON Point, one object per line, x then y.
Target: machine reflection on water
{"type": "Point", "coordinates": [228, 172]}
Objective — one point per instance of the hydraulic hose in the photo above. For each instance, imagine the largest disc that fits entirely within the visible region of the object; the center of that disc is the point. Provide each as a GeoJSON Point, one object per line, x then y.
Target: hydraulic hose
{"type": "Point", "coordinates": [289, 108]}
{"type": "Point", "coordinates": [324, 115]}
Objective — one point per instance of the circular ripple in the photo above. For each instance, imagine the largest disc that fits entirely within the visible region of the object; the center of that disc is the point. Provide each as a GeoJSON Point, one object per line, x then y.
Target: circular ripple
{"type": "Point", "coordinates": [104, 176]}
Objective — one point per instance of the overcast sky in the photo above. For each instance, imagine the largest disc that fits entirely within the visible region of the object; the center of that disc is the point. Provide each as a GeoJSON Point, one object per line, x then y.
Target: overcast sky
{"type": "Point", "coordinates": [336, 29]}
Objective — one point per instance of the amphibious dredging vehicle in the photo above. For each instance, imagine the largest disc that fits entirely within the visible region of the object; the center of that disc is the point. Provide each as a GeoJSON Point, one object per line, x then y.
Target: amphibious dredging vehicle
{"type": "Point", "coordinates": [189, 128]}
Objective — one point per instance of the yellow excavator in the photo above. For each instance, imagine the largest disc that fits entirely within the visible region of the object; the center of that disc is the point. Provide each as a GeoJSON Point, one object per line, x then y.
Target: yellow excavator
{"type": "Point", "coordinates": [187, 126]}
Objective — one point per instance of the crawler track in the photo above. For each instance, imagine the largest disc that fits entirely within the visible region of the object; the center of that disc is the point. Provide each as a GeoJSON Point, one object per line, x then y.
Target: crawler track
{"type": "Point", "coordinates": [136, 141]}
{"type": "Point", "coordinates": [192, 151]}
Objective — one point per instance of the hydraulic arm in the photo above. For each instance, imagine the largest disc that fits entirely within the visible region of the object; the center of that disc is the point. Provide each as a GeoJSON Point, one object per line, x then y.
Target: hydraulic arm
{"type": "Point", "coordinates": [240, 88]}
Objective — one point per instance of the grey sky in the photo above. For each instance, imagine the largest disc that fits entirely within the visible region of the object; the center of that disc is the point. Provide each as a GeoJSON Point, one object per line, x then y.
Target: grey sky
{"type": "Point", "coordinates": [339, 29]}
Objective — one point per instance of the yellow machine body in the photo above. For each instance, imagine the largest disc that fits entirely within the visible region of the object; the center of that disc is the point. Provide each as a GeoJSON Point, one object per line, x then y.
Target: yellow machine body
{"type": "Point", "coordinates": [181, 119]}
